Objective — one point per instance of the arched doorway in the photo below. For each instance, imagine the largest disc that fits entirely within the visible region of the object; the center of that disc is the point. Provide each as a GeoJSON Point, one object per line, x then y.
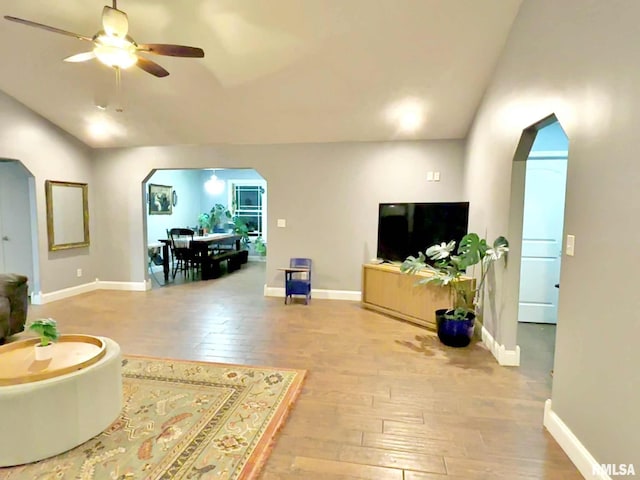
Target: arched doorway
{"type": "Point", "coordinates": [537, 207]}
{"type": "Point", "coordinates": [18, 227]}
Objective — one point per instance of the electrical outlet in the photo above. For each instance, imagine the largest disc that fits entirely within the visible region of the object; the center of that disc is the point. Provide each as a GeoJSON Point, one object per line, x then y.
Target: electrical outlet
{"type": "Point", "coordinates": [436, 176]}
{"type": "Point", "coordinates": [282, 223]}
{"type": "Point", "coordinates": [79, 272]}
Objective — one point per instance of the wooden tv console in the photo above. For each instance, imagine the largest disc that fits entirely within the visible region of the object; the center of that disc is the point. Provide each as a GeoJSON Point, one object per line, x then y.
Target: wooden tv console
{"type": "Point", "coordinates": [385, 289]}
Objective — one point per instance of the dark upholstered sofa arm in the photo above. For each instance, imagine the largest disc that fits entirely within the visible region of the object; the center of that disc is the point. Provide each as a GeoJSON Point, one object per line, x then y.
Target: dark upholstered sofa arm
{"type": "Point", "coordinates": [13, 304]}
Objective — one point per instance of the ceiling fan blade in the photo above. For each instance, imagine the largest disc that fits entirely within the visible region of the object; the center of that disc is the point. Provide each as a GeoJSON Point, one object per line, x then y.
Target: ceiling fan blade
{"type": "Point", "coordinates": [80, 57]}
{"type": "Point", "coordinates": [172, 50]}
{"type": "Point", "coordinates": [47, 27]}
{"type": "Point", "coordinates": [151, 67]}
{"type": "Point", "coordinates": [115, 22]}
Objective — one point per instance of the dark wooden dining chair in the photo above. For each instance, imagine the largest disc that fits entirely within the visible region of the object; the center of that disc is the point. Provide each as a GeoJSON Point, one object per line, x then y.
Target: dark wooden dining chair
{"type": "Point", "coordinates": [183, 254]}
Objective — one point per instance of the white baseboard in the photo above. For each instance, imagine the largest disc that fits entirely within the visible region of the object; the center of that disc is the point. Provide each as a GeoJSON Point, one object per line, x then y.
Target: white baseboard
{"type": "Point", "coordinates": [42, 298]}
{"type": "Point", "coordinates": [128, 286]}
{"type": "Point", "coordinates": [574, 449]}
{"type": "Point", "coordinates": [350, 295]}
{"type": "Point", "coordinates": [508, 358]}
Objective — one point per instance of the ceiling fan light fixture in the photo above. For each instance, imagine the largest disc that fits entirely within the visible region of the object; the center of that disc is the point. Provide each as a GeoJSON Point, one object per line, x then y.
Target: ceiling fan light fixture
{"type": "Point", "coordinates": [113, 47]}
{"type": "Point", "coordinates": [115, 22]}
{"type": "Point", "coordinates": [115, 52]}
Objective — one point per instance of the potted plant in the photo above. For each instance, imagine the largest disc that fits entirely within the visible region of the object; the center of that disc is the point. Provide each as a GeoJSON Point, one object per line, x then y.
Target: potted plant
{"type": "Point", "coordinates": [204, 220]}
{"type": "Point", "coordinates": [241, 228]}
{"type": "Point", "coordinates": [47, 330]}
{"type": "Point", "coordinates": [259, 246]}
{"type": "Point", "coordinates": [220, 216]}
{"type": "Point", "coordinates": [455, 325]}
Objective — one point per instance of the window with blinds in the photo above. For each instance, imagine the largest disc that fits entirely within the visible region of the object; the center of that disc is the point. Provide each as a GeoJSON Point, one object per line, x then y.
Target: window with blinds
{"type": "Point", "coordinates": [248, 206]}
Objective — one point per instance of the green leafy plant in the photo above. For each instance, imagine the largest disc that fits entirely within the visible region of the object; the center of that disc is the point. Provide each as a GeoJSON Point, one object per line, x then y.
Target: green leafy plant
{"type": "Point", "coordinates": [259, 246]}
{"type": "Point", "coordinates": [204, 220]}
{"type": "Point", "coordinates": [46, 329]}
{"type": "Point", "coordinates": [240, 228]}
{"type": "Point", "coordinates": [219, 216]}
{"type": "Point", "coordinates": [448, 268]}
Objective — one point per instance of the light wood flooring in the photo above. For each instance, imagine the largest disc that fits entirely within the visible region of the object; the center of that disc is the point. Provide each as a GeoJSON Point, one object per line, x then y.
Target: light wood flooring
{"type": "Point", "coordinates": [383, 399]}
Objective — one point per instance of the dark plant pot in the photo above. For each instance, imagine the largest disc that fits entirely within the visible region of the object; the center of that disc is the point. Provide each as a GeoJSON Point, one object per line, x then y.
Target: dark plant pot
{"type": "Point", "coordinates": [455, 333]}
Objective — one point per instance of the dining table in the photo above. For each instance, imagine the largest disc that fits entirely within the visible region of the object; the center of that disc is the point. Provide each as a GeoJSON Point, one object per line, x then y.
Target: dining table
{"type": "Point", "coordinates": [201, 244]}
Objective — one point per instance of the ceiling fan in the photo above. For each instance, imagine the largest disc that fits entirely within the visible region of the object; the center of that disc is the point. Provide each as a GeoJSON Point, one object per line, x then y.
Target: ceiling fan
{"type": "Point", "coordinates": [113, 47]}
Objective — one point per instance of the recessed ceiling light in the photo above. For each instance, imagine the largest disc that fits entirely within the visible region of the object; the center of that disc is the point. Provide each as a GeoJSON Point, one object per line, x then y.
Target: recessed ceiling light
{"type": "Point", "coordinates": [98, 130]}
{"type": "Point", "coordinates": [407, 115]}
{"type": "Point", "coordinates": [411, 120]}
{"type": "Point", "coordinates": [101, 128]}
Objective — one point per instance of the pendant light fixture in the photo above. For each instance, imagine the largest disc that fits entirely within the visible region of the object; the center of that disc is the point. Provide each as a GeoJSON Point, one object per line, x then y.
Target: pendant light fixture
{"type": "Point", "coordinates": [214, 185]}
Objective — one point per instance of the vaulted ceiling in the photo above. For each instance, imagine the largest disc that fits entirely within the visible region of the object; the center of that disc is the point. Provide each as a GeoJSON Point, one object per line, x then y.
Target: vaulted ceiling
{"type": "Point", "coordinates": [275, 71]}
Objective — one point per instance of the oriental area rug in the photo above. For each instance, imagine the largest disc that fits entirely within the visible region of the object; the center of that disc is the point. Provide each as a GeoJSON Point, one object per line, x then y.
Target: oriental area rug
{"type": "Point", "coordinates": [181, 420]}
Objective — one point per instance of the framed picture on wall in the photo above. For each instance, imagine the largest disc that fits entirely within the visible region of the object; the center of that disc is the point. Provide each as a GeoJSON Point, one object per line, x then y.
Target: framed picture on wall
{"type": "Point", "coordinates": [160, 199]}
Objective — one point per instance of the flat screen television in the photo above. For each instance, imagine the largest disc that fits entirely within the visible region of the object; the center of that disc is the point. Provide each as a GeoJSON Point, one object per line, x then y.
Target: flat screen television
{"type": "Point", "coordinates": [408, 228]}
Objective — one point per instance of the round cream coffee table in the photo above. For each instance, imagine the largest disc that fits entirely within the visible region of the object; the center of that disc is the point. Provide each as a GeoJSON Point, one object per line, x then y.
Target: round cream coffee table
{"type": "Point", "coordinates": [49, 407]}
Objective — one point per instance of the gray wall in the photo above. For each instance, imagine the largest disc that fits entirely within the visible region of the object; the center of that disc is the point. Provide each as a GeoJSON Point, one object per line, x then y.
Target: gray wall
{"type": "Point", "coordinates": [50, 154]}
{"type": "Point", "coordinates": [578, 59]}
{"type": "Point", "coordinates": [328, 194]}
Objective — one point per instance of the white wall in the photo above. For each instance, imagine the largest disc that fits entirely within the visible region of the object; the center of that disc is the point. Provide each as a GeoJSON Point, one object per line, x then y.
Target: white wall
{"type": "Point", "coordinates": [328, 194]}
{"type": "Point", "coordinates": [579, 59]}
{"type": "Point", "coordinates": [209, 200]}
{"type": "Point", "coordinates": [50, 154]}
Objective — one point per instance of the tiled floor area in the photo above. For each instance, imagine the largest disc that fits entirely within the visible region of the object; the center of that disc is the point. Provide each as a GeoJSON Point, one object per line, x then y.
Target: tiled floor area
{"type": "Point", "coordinates": [383, 398]}
{"type": "Point", "coordinates": [537, 344]}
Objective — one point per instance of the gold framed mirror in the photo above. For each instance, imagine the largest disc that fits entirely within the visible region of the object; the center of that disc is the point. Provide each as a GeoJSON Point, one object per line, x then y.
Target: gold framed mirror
{"type": "Point", "coordinates": [67, 214]}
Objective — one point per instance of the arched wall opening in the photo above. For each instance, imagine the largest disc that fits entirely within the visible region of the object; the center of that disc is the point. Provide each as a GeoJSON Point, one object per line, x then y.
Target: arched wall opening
{"type": "Point", "coordinates": [185, 198]}
{"type": "Point", "coordinates": [536, 220]}
{"type": "Point", "coordinates": [18, 222]}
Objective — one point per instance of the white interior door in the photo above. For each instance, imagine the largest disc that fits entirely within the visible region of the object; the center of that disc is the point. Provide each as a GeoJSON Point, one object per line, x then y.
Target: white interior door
{"type": "Point", "coordinates": [544, 197]}
{"type": "Point", "coordinates": [16, 255]}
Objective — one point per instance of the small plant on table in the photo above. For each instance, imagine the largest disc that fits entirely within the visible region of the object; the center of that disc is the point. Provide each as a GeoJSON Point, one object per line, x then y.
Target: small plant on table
{"type": "Point", "coordinates": [46, 329]}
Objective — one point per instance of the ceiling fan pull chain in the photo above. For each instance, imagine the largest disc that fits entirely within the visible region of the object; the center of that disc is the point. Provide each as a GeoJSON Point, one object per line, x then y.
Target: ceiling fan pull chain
{"type": "Point", "coordinates": [119, 105]}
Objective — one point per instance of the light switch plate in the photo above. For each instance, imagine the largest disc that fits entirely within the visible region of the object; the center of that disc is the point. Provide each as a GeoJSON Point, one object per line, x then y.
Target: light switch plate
{"type": "Point", "coordinates": [571, 245]}
{"type": "Point", "coordinates": [429, 176]}
{"type": "Point", "coordinates": [282, 223]}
